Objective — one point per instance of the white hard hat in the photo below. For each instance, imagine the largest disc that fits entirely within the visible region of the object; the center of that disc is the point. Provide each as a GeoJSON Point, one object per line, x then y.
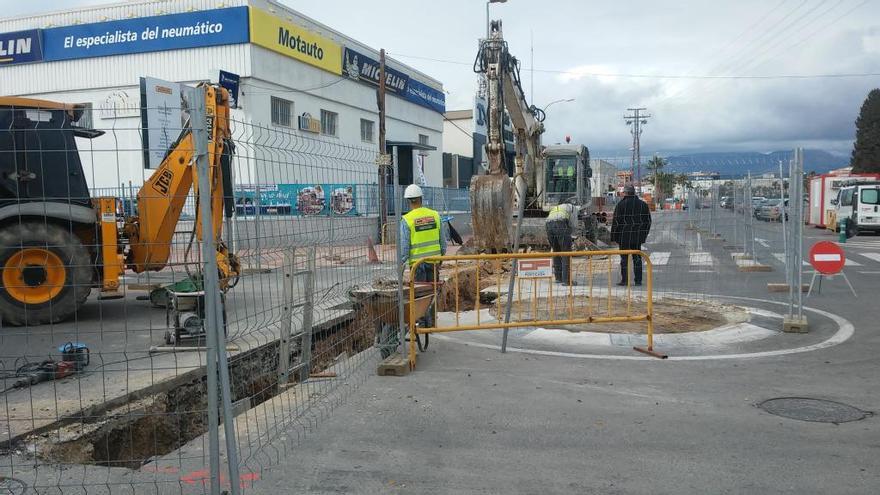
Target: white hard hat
{"type": "Point", "coordinates": [412, 191]}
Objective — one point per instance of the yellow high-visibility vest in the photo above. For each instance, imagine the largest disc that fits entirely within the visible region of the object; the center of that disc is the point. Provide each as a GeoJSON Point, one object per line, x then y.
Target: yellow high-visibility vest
{"type": "Point", "coordinates": [558, 213]}
{"type": "Point", "coordinates": [424, 233]}
{"type": "Point", "coordinates": [570, 171]}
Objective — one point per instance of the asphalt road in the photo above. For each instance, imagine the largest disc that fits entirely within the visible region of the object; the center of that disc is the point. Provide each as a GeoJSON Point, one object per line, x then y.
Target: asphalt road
{"type": "Point", "coordinates": [472, 420]}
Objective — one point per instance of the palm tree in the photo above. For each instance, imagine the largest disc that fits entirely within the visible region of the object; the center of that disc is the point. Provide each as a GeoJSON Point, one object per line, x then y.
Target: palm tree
{"type": "Point", "coordinates": [655, 165]}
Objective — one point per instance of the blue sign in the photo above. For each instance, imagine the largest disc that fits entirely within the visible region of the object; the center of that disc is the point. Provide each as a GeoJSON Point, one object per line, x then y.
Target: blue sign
{"type": "Point", "coordinates": [21, 47]}
{"type": "Point", "coordinates": [362, 68]}
{"type": "Point", "coordinates": [230, 81]}
{"type": "Point", "coordinates": [426, 96]}
{"type": "Point", "coordinates": [147, 34]}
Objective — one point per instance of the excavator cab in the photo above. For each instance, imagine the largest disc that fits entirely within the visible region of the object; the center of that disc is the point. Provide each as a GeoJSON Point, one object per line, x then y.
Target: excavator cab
{"type": "Point", "coordinates": [566, 175]}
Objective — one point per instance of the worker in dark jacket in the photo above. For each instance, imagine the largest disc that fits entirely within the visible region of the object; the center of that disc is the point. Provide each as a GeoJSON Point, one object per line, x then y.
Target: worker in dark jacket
{"type": "Point", "coordinates": [629, 229]}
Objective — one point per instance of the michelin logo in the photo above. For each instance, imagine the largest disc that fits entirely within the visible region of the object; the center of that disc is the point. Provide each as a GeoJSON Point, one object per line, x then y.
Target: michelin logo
{"type": "Point", "coordinates": [19, 47]}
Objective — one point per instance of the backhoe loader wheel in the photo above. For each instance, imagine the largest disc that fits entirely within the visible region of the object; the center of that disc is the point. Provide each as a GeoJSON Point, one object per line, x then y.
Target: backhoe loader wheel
{"type": "Point", "coordinates": [46, 273]}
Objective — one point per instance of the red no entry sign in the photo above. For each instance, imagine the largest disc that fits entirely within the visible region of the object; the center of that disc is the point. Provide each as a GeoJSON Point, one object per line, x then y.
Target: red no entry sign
{"type": "Point", "coordinates": [827, 258]}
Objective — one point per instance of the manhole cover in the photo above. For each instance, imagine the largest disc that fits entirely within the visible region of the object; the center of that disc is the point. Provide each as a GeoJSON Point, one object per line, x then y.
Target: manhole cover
{"type": "Point", "coordinates": [11, 486]}
{"type": "Point", "coordinates": [818, 410]}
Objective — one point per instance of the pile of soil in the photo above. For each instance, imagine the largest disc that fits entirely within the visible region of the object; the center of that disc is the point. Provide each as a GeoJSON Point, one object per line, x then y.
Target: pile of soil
{"type": "Point", "coordinates": [670, 315]}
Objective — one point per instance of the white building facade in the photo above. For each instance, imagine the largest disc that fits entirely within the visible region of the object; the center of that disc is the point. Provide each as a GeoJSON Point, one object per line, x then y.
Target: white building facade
{"type": "Point", "coordinates": [297, 76]}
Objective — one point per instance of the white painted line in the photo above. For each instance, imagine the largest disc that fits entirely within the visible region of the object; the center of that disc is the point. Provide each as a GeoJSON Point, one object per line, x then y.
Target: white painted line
{"type": "Point", "coordinates": [871, 256]}
{"type": "Point", "coordinates": [850, 262]}
{"type": "Point", "coordinates": [701, 259]}
{"type": "Point", "coordinates": [659, 259]}
{"type": "Point", "coordinates": [845, 330]}
{"type": "Point", "coordinates": [781, 257]}
{"type": "Point", "coordinates": [870, 273]}
{"type": "Point", "coordinates": [827, 257]}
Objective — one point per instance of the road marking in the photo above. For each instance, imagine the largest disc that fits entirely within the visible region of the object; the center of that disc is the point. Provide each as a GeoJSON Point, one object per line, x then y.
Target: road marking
{"type": "Point", "coordinates": [700, 259]}
{"type": "Point", "coordinates": [871, 256]}
{"type": "Point", "coordinates": [659, 259]}
{"type": "Point", "coordinates": [869, 273]}
{"type": "Point", "coordinates": [762, 242]}
{"type": "Point", "coordinates": [781, 258]}
{"type": "Point", "coordinates": [845, 330]}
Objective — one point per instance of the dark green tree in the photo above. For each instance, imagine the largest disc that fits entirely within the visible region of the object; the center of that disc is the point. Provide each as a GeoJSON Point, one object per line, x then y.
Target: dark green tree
{"type": "Point", "coordinates": [866, 150]}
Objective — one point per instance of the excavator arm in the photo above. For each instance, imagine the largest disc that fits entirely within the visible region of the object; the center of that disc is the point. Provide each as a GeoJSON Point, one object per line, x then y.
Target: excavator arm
{"type": "Point", "coordinates": [162, 198]}
{"type": "Point", "coordinates": [492, 196]}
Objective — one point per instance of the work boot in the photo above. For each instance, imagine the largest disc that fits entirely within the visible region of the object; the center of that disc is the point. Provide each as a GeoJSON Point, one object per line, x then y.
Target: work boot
{"type": "Point", "coordinates": [621, 283]}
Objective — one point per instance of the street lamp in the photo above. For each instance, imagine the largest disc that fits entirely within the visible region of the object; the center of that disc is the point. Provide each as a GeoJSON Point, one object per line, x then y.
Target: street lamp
{"type": "Point", "coordinates": [547, 106]}
{"type": "Point", "coordinates": [487, 15]}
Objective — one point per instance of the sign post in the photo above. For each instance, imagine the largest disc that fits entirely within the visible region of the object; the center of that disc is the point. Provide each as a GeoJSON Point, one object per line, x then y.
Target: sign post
{"type": "Point", "coordinates": [828, 259]}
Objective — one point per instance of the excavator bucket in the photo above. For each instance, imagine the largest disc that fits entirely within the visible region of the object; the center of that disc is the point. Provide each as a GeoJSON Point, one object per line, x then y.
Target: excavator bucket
{"type": "Point", "coordinates": [491, 205]}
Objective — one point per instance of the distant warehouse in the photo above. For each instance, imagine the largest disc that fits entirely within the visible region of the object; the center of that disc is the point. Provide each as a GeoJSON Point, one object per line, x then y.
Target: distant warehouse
{"type": "Point", "coordinates": [293, 74]}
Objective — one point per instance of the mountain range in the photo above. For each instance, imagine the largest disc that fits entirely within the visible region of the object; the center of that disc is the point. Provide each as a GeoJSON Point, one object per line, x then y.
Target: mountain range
{"type": "Point", "coordinates": [740, 163]}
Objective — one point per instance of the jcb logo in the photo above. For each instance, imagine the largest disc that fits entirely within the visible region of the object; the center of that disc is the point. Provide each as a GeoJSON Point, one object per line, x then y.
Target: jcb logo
{"type": "Point", "coordinates": [162, 183]}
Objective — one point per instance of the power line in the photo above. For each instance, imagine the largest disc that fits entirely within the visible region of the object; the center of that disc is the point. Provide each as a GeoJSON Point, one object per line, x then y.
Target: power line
{"type": "Point", "coordinates": [662, 76]}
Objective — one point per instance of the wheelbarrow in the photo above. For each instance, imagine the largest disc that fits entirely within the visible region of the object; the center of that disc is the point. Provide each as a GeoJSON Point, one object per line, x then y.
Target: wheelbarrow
{"type": "Point", "coordinates": [381, 306]}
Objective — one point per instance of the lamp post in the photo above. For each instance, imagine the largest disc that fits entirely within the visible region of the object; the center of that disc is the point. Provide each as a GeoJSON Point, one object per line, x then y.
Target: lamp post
{"type": "Point", "coordinates": [566, 100]}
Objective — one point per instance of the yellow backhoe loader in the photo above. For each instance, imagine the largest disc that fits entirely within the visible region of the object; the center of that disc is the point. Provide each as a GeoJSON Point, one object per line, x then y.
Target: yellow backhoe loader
{"type": "Point", "coordinates": [57, 243]}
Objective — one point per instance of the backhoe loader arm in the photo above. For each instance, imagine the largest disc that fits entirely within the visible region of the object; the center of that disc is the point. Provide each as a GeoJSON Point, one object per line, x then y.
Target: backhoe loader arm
{"type": "Point", "coordinates": [161, 199]}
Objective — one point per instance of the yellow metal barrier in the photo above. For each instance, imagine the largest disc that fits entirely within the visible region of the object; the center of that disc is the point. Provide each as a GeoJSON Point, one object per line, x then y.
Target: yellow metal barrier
{"type": "Point", "coordinates": [559, 308]}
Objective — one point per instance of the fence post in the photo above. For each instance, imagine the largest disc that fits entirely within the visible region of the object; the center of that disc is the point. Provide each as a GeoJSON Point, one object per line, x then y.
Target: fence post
{"type": "Point", "coordinates": [214, 323]}
{"type": "Point", "coordinates": [308, 317]}
{"type": "Point", "coordinates": [286, 317]}
{"type": "Point", "coordinates": [402, 330]}
{"type": "Point", "coordinates": [712, 213]}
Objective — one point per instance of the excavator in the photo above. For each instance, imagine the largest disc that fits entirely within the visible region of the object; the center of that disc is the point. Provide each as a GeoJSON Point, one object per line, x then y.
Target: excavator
{"type": "Point", "coordinates": [543, 177]}
{"type": "Point", "coordinates": [57, 243]}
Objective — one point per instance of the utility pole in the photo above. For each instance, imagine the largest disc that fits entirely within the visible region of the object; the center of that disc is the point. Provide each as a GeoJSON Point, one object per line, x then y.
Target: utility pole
{"type": "Point", "coordinates": [383, 160]}
{"type": "Point", "coordinates": [636, 119]}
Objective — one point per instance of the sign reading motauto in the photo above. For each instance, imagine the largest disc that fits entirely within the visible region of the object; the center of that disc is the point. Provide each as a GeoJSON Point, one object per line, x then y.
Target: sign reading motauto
{"type": "Point", "coordinates": [295, 41]}
{"type": "Point", "coordinates": [147, 34]}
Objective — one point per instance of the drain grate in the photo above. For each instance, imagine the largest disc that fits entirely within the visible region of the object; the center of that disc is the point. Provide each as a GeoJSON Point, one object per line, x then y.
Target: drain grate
{"type": "Point", "coordinates": [816, 410]}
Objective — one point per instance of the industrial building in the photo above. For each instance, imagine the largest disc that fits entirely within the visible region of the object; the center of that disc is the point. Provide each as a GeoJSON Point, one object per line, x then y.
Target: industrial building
{"type": "Point", "coordinates": [293, 74]}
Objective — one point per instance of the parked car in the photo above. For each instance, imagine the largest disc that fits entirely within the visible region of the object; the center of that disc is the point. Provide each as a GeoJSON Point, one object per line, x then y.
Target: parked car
{"type": "Point", "coordinates": [727, 202]}
{"type": "Point", "coordinates": [772, 210]}
{"type": "Point", "coordinates": [757, 201]}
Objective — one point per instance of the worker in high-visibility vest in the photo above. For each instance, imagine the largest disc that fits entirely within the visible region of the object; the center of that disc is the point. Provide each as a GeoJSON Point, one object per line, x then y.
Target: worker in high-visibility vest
{"type": "Point", "coordinates": [559, 177]}
{"type": "Point", "coordinates": [560, 224]}
{"type": "Point", "coordinates": [421, 235]}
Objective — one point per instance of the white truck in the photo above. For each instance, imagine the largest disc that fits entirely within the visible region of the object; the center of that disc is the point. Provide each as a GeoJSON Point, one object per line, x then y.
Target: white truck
{"type": "Point", "coordinates": [858, 207]}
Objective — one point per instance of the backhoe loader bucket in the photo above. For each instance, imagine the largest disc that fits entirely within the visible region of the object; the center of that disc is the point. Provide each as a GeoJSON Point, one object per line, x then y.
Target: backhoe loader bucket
{"type": "Point", "coordinates": [491, 205]}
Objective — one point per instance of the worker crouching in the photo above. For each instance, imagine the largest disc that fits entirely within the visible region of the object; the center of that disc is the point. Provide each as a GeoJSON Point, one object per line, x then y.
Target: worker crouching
{"type": "Point", "coordinates": [561, 223]}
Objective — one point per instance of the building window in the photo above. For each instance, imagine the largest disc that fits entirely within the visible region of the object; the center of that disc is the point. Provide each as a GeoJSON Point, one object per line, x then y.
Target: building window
{"type": "Point", "coordinates": [329, 122]}
{"type": "Point", "coordinates": [423, 139]}
{"type": "Point", "coordinates": [367, 130]}
{"type": "Point", "coordinates": [87, 120]}
{"type": "Point", "coordinates": [281, 111]}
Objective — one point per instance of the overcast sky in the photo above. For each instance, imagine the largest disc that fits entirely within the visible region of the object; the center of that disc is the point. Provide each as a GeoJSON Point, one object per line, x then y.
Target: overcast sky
{"type": "Point", "coordinates": [583, 49]}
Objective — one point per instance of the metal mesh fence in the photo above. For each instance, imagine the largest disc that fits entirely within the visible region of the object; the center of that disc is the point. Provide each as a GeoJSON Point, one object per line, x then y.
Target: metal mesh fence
{"type": "Point", "coordinates": [114, 388]}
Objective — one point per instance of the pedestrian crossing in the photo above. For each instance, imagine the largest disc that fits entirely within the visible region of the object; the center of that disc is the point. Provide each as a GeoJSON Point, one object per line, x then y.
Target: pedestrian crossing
{"type": "Point", "coordinates": [861, 243]}
{"type": "Point", "coordinates": [701, 261]}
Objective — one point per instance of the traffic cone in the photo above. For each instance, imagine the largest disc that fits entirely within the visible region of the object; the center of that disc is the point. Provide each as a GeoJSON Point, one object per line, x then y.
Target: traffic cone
{"type": "Point", "coordinates": [371, 252]}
